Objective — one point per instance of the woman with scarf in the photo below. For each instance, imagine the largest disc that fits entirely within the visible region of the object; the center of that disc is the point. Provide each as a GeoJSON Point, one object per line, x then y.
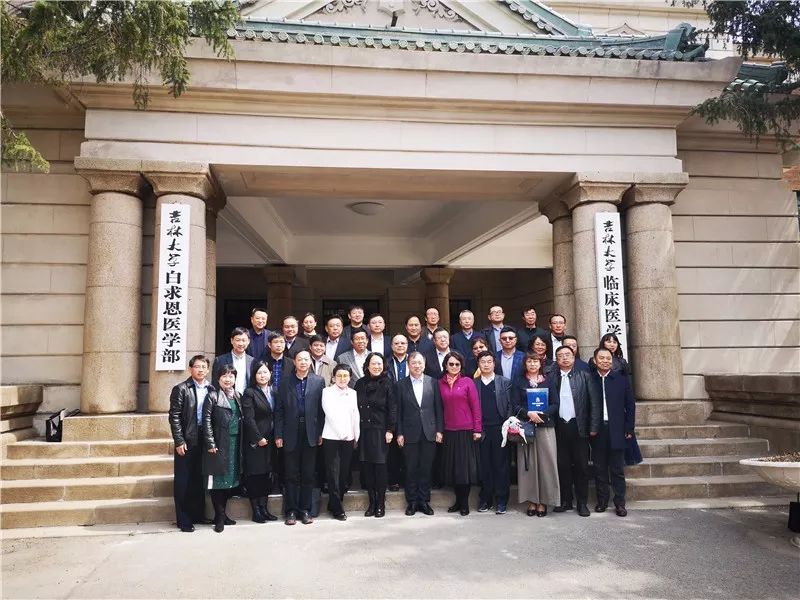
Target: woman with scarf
{"type": "Point", "coordinates": [377, 408]}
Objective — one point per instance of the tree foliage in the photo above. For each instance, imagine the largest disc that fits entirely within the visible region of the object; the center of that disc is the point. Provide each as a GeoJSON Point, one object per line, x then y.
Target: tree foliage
{"type": "Point", "coordinates": [757, 28]}
{"type": "Point", "coordinates": [55, 42]}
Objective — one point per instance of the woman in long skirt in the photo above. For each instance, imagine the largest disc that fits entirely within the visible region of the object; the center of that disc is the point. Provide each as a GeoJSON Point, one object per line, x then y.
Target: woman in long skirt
{"type": "Point", "coordinates": [537, 470]}
{"type": "Point", "coordinates": [462, 430]}
{"type": "Point", "coordinates": [222, 425]}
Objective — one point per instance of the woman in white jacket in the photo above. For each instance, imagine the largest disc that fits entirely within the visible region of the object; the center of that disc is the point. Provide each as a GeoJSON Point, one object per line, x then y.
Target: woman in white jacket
{"type": "Point", "coordinates": [339, 436]}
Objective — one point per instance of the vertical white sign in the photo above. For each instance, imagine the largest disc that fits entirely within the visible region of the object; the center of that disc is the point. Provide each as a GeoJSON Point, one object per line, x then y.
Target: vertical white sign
{"type": "Point", "coordinates": [173, 288]}
{"type": "Point", "coordinates": [610, 287]}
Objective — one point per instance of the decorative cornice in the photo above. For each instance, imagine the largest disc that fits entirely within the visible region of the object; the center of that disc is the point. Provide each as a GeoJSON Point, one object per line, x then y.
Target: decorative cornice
{"type": "Point", "coordinates": [434, 275]}
{"type": "Point", "coordinates": [122, 182]}
{"type": "Point", "coordinates": [554, 210]}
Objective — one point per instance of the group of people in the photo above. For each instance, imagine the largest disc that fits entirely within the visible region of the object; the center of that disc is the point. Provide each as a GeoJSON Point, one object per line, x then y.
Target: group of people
{"type": "Point", "coordinates": [294, 408]}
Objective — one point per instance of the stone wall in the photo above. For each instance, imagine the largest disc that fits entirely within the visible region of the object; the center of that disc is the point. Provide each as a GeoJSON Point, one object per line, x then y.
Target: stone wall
{"type": "Point", "coordinates": [768, 404]}
{"type": "Point", "coordinates": [45, 226]}
{"type": "Point", "coordinates": [736, 251]}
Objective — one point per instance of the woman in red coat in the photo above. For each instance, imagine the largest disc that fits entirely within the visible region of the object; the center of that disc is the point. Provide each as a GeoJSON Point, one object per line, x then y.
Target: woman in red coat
{"type": "Point", "coordinates": [462, 430]}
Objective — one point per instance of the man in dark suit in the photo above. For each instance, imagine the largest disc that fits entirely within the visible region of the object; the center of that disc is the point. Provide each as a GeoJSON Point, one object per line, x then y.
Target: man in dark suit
{"type": "Point", "coordinates": [529, 329]}
{"type": "Point", "coordinates": [420, 427]}
{"type": "Point", "coordinates": [294, 342]}
{"type": "Point", "coordinates": [494, 392]}
{"type": "Point", "coordinates": [397, 362]}
{"type": "Point", "coordinates": [509, 362]}
{"type": "Point", "coordinates": [431, 322]}
{"type": "Point", "coordinates": [417, 341]}
{"type": "Point", "coordinates": [377, 340]}
{"type": "Point", "coordinates": [335, 342]}
{"type": "Point", "coordinates": [185, 416]}
{"type": "Point", "coordinates": [619, 421]}
{"type": "Point", "coordinates": [579, 417]}
{"type": "Point", "coordinates": [558, 329]}
{"type": "Point", "coordinates": [435, 355]}
{"type": "Point", "coordinates": [492, 332]}
{"type": "Point", "coordinates": [299, 421]}
{"type": "Point", "coordinates": [572, 342]}
{"type": "Point", "coordinates": [259, 334]}
{"type": "Point", "coordinates": [355, 315]}
{"type": "Point", "coordinates": [279, 363]}
{"type": "Point", "coordinates": [461, 341]}
{"type": "Point", "coordinates": [237, 358]}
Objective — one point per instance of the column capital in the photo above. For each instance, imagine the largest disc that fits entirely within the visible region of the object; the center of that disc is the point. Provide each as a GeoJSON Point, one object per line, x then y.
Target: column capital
{"type": "Point", "coordinates": [105, 175]}
{"type": "Point", "coordinates": [441, 275]}
{"type": "Point", "coordinates": [189, 179]}
{"type": "Point", "coordinates": [279, 274]}
{"type": "Point", "coordinates": [656, 189]}
{"type": "Point", "coordinates": [555, 210]}
{"type": "Point", "coordinates": [586, 188]}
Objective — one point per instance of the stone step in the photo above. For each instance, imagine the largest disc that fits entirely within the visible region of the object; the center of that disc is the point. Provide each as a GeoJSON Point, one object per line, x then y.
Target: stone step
{"type": "Point", "coordinates": [105, 448]}
{"type": "Point", "coordinates": [16, 422]}
{"type": "Point", "coordinates": [129, 426]}
{"type": "Point", "coordinates": [86, 512]}
{"type": "Point", "coordinates": [744, 447]}
{"type": "Point", "coordinates": [672, 412]}
{"type": "Point", "coordinates": [707, 430]}
{"type": "Point", "coordinates": [54, 468]}
{"type": "Point", "coordinates": [715, 486]}
{"type": "Point", "coordinates": [86, 488]}
{"type": "Point", "coordinates": [687, 466]}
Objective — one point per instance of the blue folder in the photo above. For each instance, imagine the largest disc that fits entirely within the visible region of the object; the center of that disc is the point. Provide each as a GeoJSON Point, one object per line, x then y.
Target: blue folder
{"type": "Point", "coordinates": [538, 399]}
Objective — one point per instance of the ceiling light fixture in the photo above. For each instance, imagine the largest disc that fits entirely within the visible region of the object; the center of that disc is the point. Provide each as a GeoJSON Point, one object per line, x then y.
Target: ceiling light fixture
{"type": "Point", "coordinates": [366, 208]}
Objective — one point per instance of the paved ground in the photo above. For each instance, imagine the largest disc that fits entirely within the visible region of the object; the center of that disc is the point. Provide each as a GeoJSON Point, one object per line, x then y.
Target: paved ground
{"type": "Point", "coordinates": [722, 554]}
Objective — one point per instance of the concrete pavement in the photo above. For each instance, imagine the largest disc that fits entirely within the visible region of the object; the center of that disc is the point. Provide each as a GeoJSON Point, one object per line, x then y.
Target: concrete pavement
{"type": "Point", "coordinates": [723, 554]}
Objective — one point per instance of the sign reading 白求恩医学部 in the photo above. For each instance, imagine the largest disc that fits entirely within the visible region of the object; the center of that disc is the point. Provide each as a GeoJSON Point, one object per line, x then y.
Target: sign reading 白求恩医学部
{"type": "Point", "coordinates": [173, 288]}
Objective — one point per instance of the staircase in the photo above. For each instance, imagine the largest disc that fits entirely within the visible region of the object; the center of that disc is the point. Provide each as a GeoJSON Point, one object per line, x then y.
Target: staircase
{"type": "Point", "coordinates": [117, 469]}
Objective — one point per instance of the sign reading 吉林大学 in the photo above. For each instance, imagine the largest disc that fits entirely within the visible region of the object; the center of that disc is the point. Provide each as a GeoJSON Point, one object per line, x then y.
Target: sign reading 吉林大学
{"type": "Point", "coordinates": [173, 288]}
{"type": "Point", "coordinates": [610, 287]}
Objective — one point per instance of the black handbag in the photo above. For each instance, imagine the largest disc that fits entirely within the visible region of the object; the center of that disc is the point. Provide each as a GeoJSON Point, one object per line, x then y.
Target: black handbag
{"type": "Point", "coordinates": [524, 434]}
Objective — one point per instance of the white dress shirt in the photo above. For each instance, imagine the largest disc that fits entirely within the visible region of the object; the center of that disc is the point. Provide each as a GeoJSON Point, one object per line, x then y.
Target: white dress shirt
{"type": "Point", "coordinates": [440, 358]}
{"type": "Point", "coordinates": [487, 380]}
{"type": "Point", "coordinates": [566, 407]}
{"type": "Point", "coordinates": [416, 385]}
{"type": "Point", "coordinates": [330, 347]}
{"type": "Point", "coordinates": [359, 360]}
{"type": "Point", "coordinates": [605, 406]}
{"type": "Point", "coordinates": [341, 414]}
{"type": "Point", "coordinates": [240, 364]}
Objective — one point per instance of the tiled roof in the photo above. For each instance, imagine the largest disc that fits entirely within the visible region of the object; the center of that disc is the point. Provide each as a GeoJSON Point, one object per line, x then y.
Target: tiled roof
{"type": "Point", "coordinates": [673, 46]}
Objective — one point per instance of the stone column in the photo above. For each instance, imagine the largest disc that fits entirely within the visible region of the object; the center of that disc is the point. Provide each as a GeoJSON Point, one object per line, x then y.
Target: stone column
{"type": "Point", "coordinates": [212, 208]}
{"type": "Point", "coordinates": [563, 272]}
{"type": "Point", "coordinates": [112, 313]}
{"type": "Point", "coordinates": [180, 183]}
{"type": "Point", "coordinates": [587, 198]}
{"type": "Point", "coordinates": [279, 294]}
{"type": "Point", "coordinates": [437, 292]}
{"type": "Point", "coordinates": [655, 345]}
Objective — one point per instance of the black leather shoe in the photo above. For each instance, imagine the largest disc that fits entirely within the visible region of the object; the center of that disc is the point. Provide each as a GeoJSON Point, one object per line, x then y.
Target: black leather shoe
{"type": "Point", "coordinates": [411, 510]}
{"type": "Point", "coordinates": [583, 510]}
{"type": "Point", "coordinates": [187, 528]}
{"type": "Point", "coordinates": [306, 518]}
{"type": "Point", "coordinates": [229, 521]}
{"type": "Point", "coordinates": [425, 509]}
{"type": "Point", "coordinates": [563, 508]}
{"type": "Point", "coordinates": [621, 511]}
{"type": "Point", "coordinates": [531, 512]}
{"type": "Point", "coordinates": [290, 519]}
{"type": "Point", "coordinates": [542, 513]}
{"type": "Point", "coordinates": [269, 516]}
{"type": "Point", "coordinates": [601, 507]}
{"type": "Point", "coordinates": [219, 526]}
{"type": "Point", "coordinates": [464, 511]}
{"type": "Point", "coordinates": [455, 508]}
{"type": "Point", "coordinates": [341, 517]}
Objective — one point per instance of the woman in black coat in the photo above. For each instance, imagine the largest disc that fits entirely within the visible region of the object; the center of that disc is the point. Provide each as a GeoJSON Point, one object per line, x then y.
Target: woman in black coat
{"type": "Point", "coordinates": [610, 342]}
{"type": "Point", "coordinates": [222, 426]}
{"type": "Point", "coordinates": [377, 407]}
{"type": "Point", "coordinates": [257, 411]}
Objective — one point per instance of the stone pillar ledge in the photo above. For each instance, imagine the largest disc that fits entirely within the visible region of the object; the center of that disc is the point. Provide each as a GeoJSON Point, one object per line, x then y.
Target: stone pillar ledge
{"type": "Point", "coordinates": [554, 210]}
{"type": "Point", "coordinates": [441, 275]}
{"type": "Point", "coordinates": [655, 191]}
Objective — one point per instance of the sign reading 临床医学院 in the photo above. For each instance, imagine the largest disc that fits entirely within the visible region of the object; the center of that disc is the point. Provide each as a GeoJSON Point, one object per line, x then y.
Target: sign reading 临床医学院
{"type": "Point", "coordinates": [610, 287]}
{"type": "Point", "coordinates": [173, 288]}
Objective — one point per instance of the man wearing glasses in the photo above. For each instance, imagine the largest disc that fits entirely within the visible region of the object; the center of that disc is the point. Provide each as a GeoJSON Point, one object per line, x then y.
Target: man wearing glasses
{"type": "Point", "coordinates": [510, 361]}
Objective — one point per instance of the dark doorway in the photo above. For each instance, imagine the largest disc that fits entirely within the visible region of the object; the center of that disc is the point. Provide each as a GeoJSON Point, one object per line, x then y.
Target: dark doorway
{"type": "Point", "coordinates": [235, 313]}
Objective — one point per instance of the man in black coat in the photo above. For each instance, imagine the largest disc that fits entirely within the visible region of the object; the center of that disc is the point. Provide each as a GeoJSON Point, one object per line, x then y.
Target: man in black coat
{"type": "Point", "coordinates": [461, 341]}
{"type": "Point", "coordinates": [291, 333]}
{"type": "Point", "coordinates": [494, 392]}
{"type": "Point", "coordinates": [580, 413]}
{"type": "Point", "coordinates": [299, 421]}
{"type": "Point", "coordinates": [529, 329]}
{"type": "Point", "coordinates": [185, 416]}
{"type": "Point", "coordinates": [420, 426]}
{"type": "Point", "coordinates": [619, 420]}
